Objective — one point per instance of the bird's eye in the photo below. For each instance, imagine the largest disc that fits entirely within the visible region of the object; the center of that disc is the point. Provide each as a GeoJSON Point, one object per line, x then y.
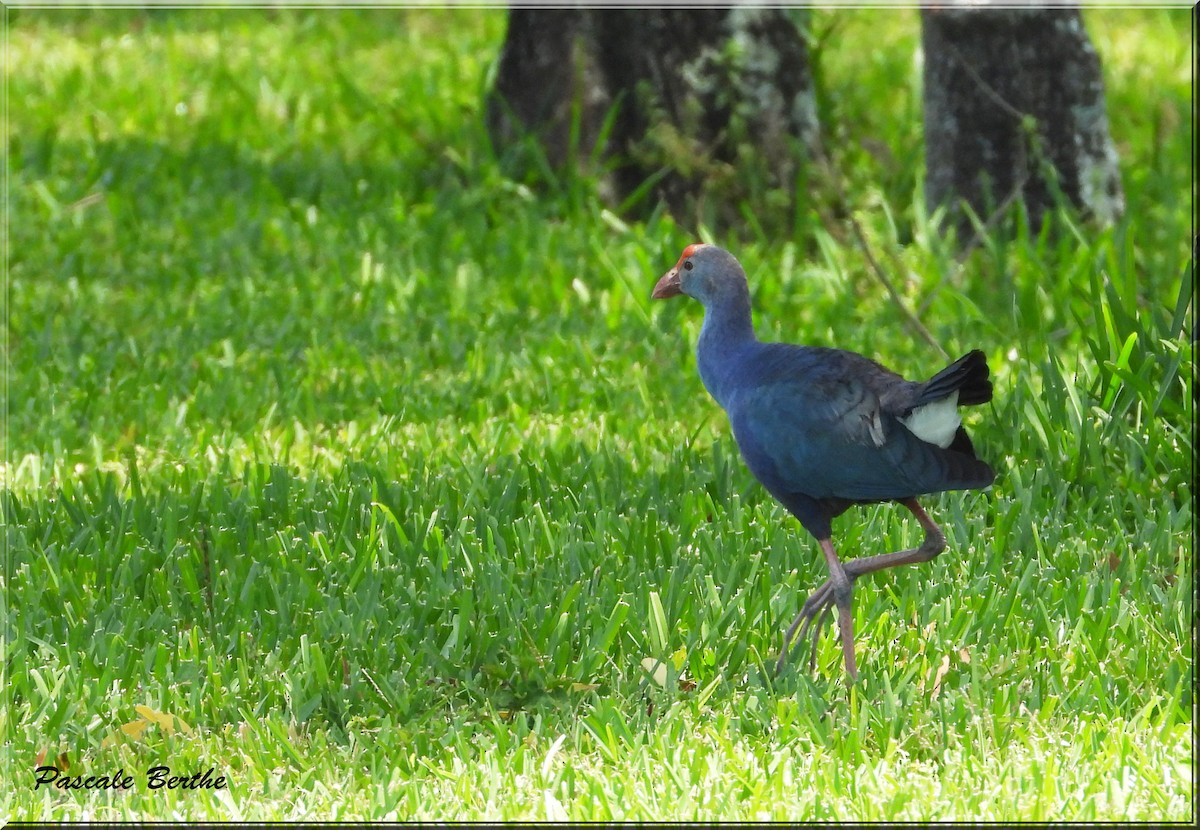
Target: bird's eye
{"type": "Point", "coordinates": [687, 266]}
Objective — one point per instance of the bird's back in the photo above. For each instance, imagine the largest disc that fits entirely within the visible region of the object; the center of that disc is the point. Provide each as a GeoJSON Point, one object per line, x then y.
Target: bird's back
{"type": "Point", "coordinates": [827, 423]}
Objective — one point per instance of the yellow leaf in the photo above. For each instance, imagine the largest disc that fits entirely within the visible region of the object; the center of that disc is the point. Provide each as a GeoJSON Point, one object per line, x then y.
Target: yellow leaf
{"type": "Point", "coordinates": [166, 721]}
{"type": "Point", "coordinates": [134, 729]}
{"type": "Point", "coordinates": [964, 655]}
{"type": "Point", "coordinates": [679, 658]}
{"type": "Point", "coordinates": [584, 687]}
{"type": "Point", "coordinates": [941, 672]}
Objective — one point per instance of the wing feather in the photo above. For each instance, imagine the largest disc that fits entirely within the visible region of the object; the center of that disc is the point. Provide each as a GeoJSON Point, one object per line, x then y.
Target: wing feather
{"type": "Point", "coordinates": [822, 427]}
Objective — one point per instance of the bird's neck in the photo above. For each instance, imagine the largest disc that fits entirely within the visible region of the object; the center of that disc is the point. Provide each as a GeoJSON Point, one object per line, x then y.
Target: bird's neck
{"type": "Point", "coordinates": [727, 330]}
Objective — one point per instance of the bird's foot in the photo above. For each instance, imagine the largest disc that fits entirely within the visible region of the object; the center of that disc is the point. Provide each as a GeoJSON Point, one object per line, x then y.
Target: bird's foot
{"type": "Point", "coordinates": [813, 616]}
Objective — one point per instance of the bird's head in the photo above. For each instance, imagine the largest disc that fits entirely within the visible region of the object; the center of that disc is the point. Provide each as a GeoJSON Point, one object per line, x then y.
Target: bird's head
{"type": "Point", "coordinates": [704, 272]}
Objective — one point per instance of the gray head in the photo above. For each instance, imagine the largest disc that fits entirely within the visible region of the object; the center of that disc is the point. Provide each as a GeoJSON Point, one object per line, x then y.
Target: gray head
{"type": "Point", "coordinates": [705, 272]}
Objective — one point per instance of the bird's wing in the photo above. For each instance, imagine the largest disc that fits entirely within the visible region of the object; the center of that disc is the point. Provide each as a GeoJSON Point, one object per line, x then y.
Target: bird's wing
{"type": "Point", "coordinates": [820, 427]}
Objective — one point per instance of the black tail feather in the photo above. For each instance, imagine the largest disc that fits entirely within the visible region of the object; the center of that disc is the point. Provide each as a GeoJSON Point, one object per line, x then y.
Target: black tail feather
{"type": "Point", "coordinates": [968, 375]}
{"type": "Point", "coordinates": [962, 443]}
{"type": "Point", "coordinates": [963, 472]}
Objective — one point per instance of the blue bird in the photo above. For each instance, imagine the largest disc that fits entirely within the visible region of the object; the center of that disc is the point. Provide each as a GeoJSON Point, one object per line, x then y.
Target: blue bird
{"type": "Point", "coordinates": [824, 429]}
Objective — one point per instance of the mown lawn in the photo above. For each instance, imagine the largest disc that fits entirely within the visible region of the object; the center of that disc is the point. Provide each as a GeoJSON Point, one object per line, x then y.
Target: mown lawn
{"type": "Point", "coordinates": [379, 471]}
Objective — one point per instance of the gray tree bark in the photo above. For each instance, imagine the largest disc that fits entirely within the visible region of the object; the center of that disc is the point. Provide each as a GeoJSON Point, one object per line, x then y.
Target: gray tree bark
{"type": "Point", "coordinates": [710, 102]}
{"type": "Point", "coordinates": [545, 80]}
{"type": "Point", "coordinates": [1014, 107]}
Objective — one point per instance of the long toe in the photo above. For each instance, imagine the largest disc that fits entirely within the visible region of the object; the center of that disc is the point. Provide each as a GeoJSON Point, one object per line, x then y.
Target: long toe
{"type": "Point", "coordinates": [811, 619]}
{"type": "Point", "coordinates": [846, 627]}
{"type": "Point", "coordinates": [816, 638]}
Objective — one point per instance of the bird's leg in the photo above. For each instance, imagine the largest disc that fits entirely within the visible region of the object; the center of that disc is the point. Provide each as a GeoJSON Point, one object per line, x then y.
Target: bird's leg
{"type": "Point", "coordinates": [843, 589]}
{"type": "Point", "coordinates": [837, 589]}
{"type": "Point", "coordinates": [933, 544]}
{"type": "Point", "coordinates": [818, 604]}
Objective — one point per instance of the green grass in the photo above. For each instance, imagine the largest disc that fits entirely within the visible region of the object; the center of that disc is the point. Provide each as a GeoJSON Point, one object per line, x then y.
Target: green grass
{"type": "Point", "coordinates": [381, 472]}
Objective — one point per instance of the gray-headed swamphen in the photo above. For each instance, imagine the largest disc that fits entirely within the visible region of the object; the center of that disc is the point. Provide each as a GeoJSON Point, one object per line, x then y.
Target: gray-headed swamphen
{"type": "Point", "coordinates": [824, 429]}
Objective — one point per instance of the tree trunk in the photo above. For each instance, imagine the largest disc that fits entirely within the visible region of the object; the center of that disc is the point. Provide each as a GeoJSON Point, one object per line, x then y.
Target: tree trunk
{"type": "Point", "coordinates": [714, 105]}
{"type": "Point", "coordinates": [1014, 106]}
{"type": "Point", "coordinates": [542, 77]}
